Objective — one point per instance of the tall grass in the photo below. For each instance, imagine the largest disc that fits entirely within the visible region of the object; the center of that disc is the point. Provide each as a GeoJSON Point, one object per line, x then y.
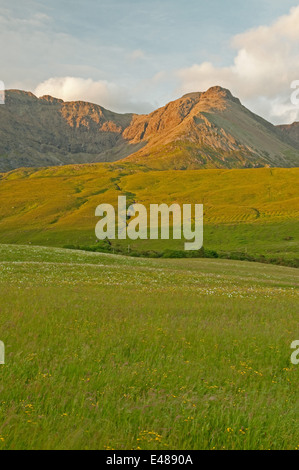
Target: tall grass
{"type": "Point", "coordinates": [109, 352]}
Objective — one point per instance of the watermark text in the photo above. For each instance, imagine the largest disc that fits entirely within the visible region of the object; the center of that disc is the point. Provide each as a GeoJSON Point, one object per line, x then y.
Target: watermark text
{"type": "Point", "coordinates": [295, 355]}
{"type": "Point", "coordinates": [295, 94]}
{"type": "Point", "coordinates": [143, 225]}
{"type": "Point", "coordinates": [2, 353]}
{"type": "Point", "coordinates": [2, 93]}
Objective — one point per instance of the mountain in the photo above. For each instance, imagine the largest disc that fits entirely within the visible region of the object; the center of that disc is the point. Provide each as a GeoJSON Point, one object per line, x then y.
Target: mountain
{"type": "Point", "coordinates": [292, 131]}
{"type": "Point", "coordinates": [47, 131]}
{"type": "Point", "coordinates": [210, 130]}
{"type": "Point", "coordinates": [200, 130]}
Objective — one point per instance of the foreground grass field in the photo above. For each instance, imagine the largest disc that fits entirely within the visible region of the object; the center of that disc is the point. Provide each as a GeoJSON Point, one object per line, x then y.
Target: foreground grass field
{"type": "Point", "coordinates": [108, 352]}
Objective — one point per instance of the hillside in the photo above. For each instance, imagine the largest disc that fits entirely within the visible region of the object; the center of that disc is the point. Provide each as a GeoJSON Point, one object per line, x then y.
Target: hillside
{"type": "Point", "coordinates": [49, 132]}
{"type": "Point", "coordinates": [254, 210]}
{"type": "Point", "coordinates": [291, 131]}
{"type": "Point", "coordinates": [210, 130]}
{"type": "Point", "coordinates": [199, 130]}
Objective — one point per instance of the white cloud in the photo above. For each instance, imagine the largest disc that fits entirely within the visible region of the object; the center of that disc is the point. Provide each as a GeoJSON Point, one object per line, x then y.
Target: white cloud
{"type": "Point", "coordinates": [136, 55]}
{"type": "Point", "coordinates": [266, 62]}
{"type": "Point", "coordinates": [104, 93]}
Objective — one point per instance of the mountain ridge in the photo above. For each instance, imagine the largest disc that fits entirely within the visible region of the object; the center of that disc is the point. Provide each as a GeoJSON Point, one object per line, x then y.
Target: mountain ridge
{"type": "Point", "coordinates": [209, 129]}
{"type": "Point", "coordinates": [292, 131]}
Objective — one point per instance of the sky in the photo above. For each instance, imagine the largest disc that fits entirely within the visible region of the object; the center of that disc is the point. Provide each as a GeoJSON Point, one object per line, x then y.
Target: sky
{"type": "Point", "coordinates": [136, 55]}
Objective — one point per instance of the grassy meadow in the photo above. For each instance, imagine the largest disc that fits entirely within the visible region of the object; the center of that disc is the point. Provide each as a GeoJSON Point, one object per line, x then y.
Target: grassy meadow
{"type": "Point", "coordinates": [254, 211]}
{"type": "Point", "coordinates": [115, 352]}
{"type": "Point", "coordinates": [112, 352]}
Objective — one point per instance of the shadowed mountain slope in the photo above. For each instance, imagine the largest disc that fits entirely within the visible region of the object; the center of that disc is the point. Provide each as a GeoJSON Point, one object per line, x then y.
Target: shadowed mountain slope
{"type": "Point", "coordinates": [292, 132]}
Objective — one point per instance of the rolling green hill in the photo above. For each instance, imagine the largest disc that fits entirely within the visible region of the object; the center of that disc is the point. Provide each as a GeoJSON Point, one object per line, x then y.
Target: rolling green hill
{"type": "Point", "coordinates": [253, 211]}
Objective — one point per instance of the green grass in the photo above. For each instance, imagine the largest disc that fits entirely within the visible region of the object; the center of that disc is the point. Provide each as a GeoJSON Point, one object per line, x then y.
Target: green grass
{"type": "Point", "coordinates": [113, 352]}
{"type": "Point", "coordinates": [108, 352]}
{"type": "Point", "coordinates": [254, 211]}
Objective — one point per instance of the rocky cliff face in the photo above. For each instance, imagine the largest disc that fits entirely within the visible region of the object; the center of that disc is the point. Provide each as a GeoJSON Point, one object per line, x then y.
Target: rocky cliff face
{"type": "Point", "coordinates": [48, 131]}
{"type": "Point", "coordinates": [209, 130]}
{"type": "Point", "coordinates": [199, 130]}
